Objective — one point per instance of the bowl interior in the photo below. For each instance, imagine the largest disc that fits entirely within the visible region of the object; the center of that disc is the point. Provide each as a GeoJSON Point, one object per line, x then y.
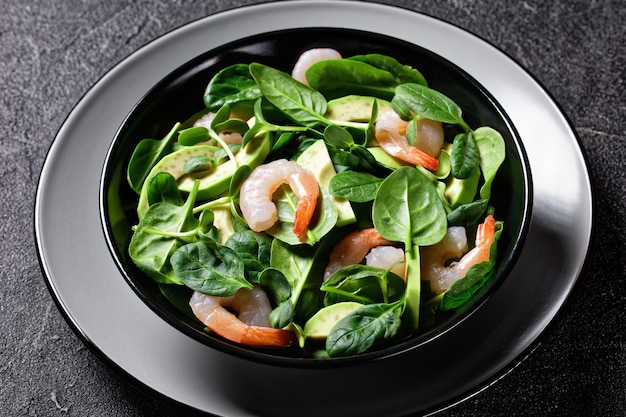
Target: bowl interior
{"type": "Point", "coordinates": [179, 95]}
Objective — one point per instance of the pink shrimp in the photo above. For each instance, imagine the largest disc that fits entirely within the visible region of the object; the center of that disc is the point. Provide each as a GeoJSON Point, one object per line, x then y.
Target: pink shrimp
{"type": "Point", "coordinates": [390, 135]}
{"type": "Point", "coordinates": [388, 257]}
{"type": "Point", "coordinates": [352, 249]}
{"type": "Point", "coordinates": [257, 190]}
{"type": "Point", "coordinates": [454, 246]}
{"type": "Point", "coordinates": [251, 326]}
{"type": "Point", "coordinates": [310, 57]}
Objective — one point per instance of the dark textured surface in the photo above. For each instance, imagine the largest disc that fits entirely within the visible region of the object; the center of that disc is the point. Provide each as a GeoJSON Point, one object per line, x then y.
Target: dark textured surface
{"type": "Point", "coordinates": [52, 53]}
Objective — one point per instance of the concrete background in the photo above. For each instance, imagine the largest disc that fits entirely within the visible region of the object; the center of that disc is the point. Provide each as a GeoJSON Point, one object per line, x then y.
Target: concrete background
{"type": "Point", "coordinates": [52, 52]}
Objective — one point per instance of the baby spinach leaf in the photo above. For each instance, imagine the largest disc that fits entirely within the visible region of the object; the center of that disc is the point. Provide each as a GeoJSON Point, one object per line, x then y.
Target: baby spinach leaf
{"type": "Point", "coordinates": [253, 249]}
{"type": "Point", "coordinates": [262, 125]}
{"type": "Point", "coordinates": [155, 237]}
{"type": "Point", "coordinates": [468, 214]}
{"type": "Point", "coordinates": [275, 285]}
{"type": "Point", "coordinates": [339, 137]}
{"type": "Point", "coordinates": [407, 208]}
{"type": "Point", "coordinates": [238, 178]}
{"type": "Point", "coordinates": [193, 135]}
{"type": "Point", "coordinates": [209, 268]}
{"type": "Point", "coordinates": [401, 73]}
{"type": "Point", "coordinates": [198, 163]}
{"type": "Point", "coordinates": [233, 125]}
{"type": "Point", "coordinates": [363, 328]}
{"type": "Point", "coordinates": [411, 99]}
{"type": "Point", "coordinates": [206, 228]}
{"type": "Point", "coordinates": [278, 290]}
{"type": "Point", "coordinates": [296, 263]}
{"type": "Point", "coordinates": [492, 152]}
{"type": "Point", "coordinates": [367, 161]}
{"type": "Point", "coordinates": [461, 290]}
{"type": "Point", "coordinates": [464, 159]}
{"type": "Point", "coordinates": [232, 85]}
{"type": "Point", "coordinates": [147, 153]}
{"type": "Point", "coordinates": [163, 188]}
{"type": "Point", "coordinates": [341, 77]}
{"type": "Point", "coordinates": [342, 159]}
{"type": "Point", "coordinates": [355, 186]}
{"type": "Point", "coordinates": [300, 103]}
{"type": "Point", "coordinates": [363, 284]}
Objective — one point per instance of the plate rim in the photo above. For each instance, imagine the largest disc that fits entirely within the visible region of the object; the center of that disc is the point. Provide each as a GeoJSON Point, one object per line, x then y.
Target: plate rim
{"type": "Point", "coordinates": [48, 274]}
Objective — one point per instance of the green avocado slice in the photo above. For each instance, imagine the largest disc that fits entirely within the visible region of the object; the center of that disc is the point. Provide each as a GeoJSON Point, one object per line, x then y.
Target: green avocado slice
{"type": "Point", "coordinates": [212, 183]}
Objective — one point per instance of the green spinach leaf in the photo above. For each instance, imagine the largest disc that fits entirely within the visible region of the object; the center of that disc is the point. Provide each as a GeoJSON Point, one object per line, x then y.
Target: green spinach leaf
{"type": "Point", "coordinates": [193, 135]}
{"type": "Point", "coordinates": [145, 156]}
{"type": "Point", "coordinates": [492, 152]}
{"type": "Point", "coordinates": [468, 214]}
{"type": "Point", "coordinates": [209, 268]}
{"type": "Point", "coordinates": [407, 208]}
{"type": "Point", "coordinates": [230, 86]}
{"type": "Point", "coordinates": [401, 73]}
{"type": "Point", "coordinates": [278, 290]}
{"type": "Point", "coordinates": [253, 249]}
{"type": "Point", "coordinates": [301, 104]}
{"type": "Point", "coordinates": [464, 159]}
{"type": "Point", "coordinates": [355, 186]}
{"type": "Point", "coordinates": [363, 328]}
{"type": "Point", "coordinates": [198, 163]}
{"type": "Point", "coordinates": [159, 234]}
{"type": "Point", "coordinates": [163, 188]}
{"type": "Point", "coordinates": [411, 99]}
{"type": "Point", "coordinates": [363, 284]}
{"type": "Point", "coordinates": [341, 77]}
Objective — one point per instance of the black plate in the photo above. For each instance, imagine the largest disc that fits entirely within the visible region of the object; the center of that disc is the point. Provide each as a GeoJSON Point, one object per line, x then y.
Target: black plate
{"type": "Point", "coordinates": [127, 334]}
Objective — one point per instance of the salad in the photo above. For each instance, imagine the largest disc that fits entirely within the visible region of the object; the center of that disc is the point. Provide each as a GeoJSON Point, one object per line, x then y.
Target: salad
{"type": "Point", "coordinates": [336, 209]}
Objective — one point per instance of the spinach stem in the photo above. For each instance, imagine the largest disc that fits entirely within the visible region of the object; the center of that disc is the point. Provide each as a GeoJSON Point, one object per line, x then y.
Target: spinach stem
{"type": "Point", "coordinates": [356, 125]}
{"type": "Point", "coordinates": [212, 204]}
{"type": "Point", "coordinates": [226, 148]}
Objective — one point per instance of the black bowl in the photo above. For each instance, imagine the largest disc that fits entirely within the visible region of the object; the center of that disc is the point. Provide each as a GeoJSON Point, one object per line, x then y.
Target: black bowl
{"type": "Point", "coordinates": [179, 95]}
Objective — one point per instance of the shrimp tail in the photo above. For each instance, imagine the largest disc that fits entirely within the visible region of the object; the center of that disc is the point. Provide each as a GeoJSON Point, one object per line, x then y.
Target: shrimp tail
{"type": "Point", "coordinates": [266, 336]}
{"type": "Point", "coordinates": [485, 234]}
{"type": "Point", "coordinates": [395, 144]}
{"type": "Point", "coordinates": [304, 213]}
{"type": "Point", "coordinates": [417, 156]}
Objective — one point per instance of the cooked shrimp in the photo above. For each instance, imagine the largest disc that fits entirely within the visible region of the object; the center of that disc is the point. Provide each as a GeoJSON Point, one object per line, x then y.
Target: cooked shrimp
{"type": "Point", "coordinates": [250, 327]}
{"type": "Point", "coordinates": [454, 246]}
{"type": "Point", "coordinates": [310, 57]}
{"type": "Point", "coordinates": [390, 135]}
{"type": "Point", "coordinates": [352, 249]}
{"type": "Point", "coordinates": [257, 190]}
{"type": "Point", "coordinates": [386, 257]}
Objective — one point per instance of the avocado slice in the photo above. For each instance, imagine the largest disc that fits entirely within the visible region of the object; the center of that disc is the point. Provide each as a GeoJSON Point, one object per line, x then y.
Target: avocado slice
{"type": "Point", "coordinates": [322, 322]}
{"type": "Point", "coordinates": [212, 183]}
{"type": "Point", "coordinates": [354, 108]}
{"type": "Point", "coordinates": [316, 159]}
{"type": "Point", "coordinates": [223, 221]}
{"type": "Point", "coordinates": [459, 192]}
